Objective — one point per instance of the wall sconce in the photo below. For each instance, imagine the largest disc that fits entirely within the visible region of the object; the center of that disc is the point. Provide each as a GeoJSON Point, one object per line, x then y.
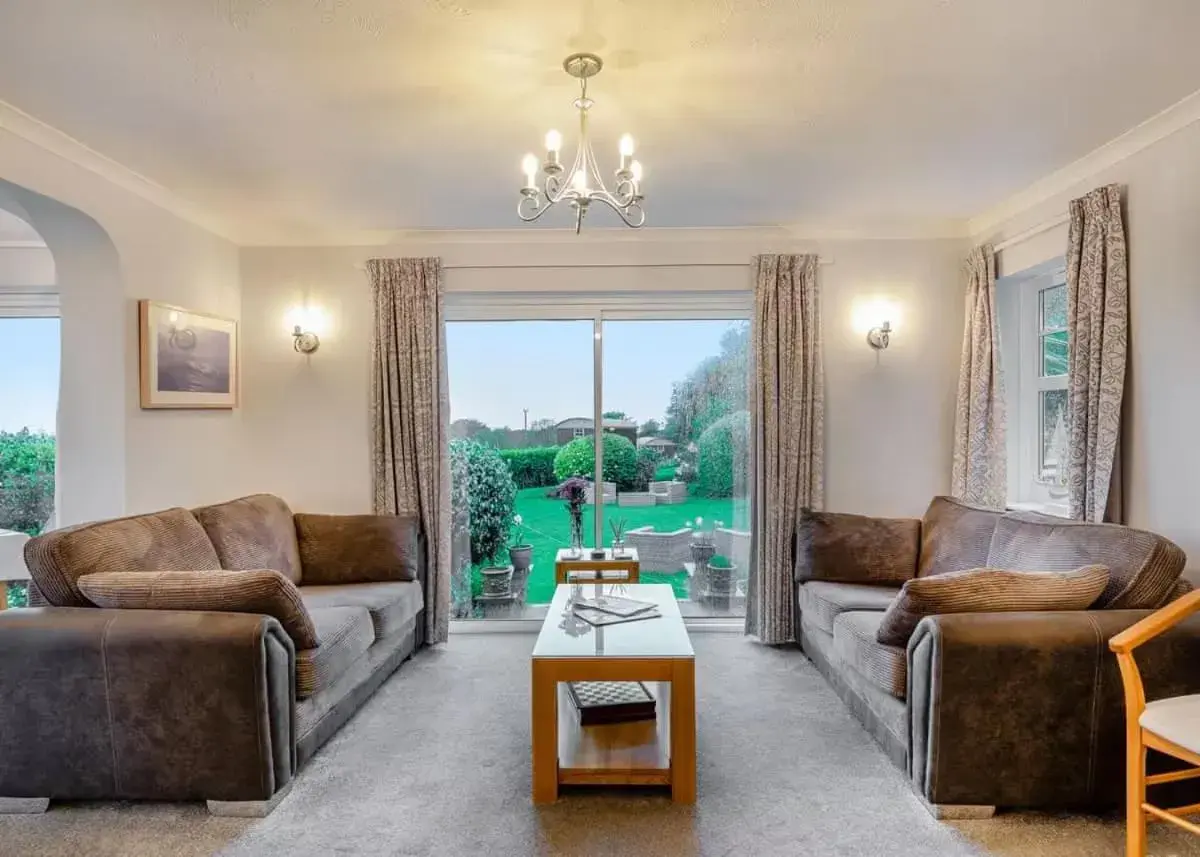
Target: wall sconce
{"type": "Point", "coordinates": [879, 337]}
{"type": "Point", "coordinates": [305, 324]}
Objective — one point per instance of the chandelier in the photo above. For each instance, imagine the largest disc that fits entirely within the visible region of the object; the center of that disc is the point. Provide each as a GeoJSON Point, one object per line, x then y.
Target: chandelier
{"type": "Point", "coordinates": [581, 185]}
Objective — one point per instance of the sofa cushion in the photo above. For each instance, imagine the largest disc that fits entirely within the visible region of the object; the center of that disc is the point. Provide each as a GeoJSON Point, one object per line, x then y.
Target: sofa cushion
{"type": "Point", "coordinates": [989, 590]}
{"type": "Point", "coordinates": [821, 602]}
{"type": "Point", "coordinates": [170, 540]}
{"type": "Point", "coordinates": [955, 536]}
{"type": "Point", "coordinates": [344, 635]}
{"type": "Point", "coordinates": [253, 532]}
{"type": "Point", "coordinates": [391, 605]}
{"type": "Point", "coordinates": [261, 591]}
{"type": "Point", "coordinates": [855, 644]}
{"type": "Point", "coordinates": [856, 548]}
{"type": "Point", "coordinates": [358, 548]}
{"type": "Point", "coordinates": [1143, 567]}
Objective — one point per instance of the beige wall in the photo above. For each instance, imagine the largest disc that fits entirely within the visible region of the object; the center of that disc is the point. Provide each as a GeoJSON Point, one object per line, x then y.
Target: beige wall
{"type": "Point", "coordinates": [112, 247]}
{"type": "Point", "coordinates": [26, 266]}
{"type": "Point", "coordinates": [1162, 466]}
{"type": "Point", "coordinates": [889, 416]}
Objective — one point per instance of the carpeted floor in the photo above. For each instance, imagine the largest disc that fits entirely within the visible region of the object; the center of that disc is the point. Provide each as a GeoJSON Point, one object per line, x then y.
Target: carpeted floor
{"type": "Point", "coordinates": [438, 764]}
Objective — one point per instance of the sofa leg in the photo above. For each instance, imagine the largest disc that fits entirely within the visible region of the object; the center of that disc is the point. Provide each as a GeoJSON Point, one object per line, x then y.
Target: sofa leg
{"type": "Point", "coordinates": [23, 805]}
{"type": "Point", "coordinates": [248, 808]}
{"type": "Point", "coordinates": [959, 811]}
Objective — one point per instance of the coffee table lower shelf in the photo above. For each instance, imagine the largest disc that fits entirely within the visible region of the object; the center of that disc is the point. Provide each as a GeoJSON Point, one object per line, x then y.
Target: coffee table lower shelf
{"type": "Point", "coordinates": [636, 753]}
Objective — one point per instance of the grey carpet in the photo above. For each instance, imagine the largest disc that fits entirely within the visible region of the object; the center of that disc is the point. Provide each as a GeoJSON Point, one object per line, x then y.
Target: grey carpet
{"type": "Point", "coordinates": [438, 764]}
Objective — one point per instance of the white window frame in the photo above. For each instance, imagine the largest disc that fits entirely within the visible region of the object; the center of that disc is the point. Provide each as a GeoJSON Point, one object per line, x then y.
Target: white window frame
{"type": "Point", "coordinates": [1021, 345]}
{"type": "Point", "coordinates": [579, 432]}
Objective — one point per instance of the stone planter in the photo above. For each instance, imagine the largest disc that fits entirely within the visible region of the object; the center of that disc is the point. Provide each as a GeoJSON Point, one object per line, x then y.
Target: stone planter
{"type": "Point", "coordinates": [721, 580]}
{"type": "Point", "coordinates": [521, 557]}
{"type": "Point", "coordinates": [497, 580]}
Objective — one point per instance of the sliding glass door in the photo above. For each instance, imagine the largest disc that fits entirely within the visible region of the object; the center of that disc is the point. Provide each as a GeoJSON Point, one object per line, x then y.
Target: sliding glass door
{"type": "Point", "coordinates": [669, 395]}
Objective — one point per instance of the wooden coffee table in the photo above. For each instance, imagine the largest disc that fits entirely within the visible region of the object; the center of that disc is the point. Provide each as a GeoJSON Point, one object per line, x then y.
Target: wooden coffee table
{"type": "Point", "coordinates": [654, 651]}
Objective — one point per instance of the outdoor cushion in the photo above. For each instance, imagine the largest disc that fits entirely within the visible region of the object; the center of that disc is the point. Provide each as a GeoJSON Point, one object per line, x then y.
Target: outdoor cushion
{"type": "Point", "coordinates": [358, 548]}
{"type": "Point", "coordinates": [391, 605]}
{"type": "Point", "coordinates": [856, 548]}
{"type": "Point", "coordinates": [1143, 567]}
{"type": "Point", "coordinates": [821, 602]}
{"type": "Point", "coordinates": [170, 540]}
{"type": "Point", "coordinates": [345, 634]}
{"type": "Point", "coordinates": [989, 590]}
{"type": "Point", "coordinates": [855, 644]}
{"type": "Point", "coordinates": [955, 536]}
{"type": "Point", "coordinates": [260, 591]}
{"type": "Point", "coordinates": [253, 532]}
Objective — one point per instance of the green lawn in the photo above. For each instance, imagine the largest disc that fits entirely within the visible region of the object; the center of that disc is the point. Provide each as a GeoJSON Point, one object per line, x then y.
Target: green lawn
{"type": "Point", "coordinates": [547, 528]}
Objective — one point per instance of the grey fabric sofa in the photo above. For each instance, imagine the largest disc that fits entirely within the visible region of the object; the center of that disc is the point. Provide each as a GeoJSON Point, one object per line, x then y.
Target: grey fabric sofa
{"type": "Point", "coordinates": [190, 704]}
{"type": "Point", "coordinates": [993, 709]}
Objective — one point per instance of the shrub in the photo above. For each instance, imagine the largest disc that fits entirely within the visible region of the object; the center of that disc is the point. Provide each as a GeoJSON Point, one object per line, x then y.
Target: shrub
{"type": "Point", "coordinates": [491, 496]}
{"type": "Point", "coordinates": [723, 459]}
{"type": "Point", "coordinates": [26, 480]}
{"type": "Point", "coordinates": [719, 561]}
{"type": "Point", "coordinates": [647, 468]}
{"type": "Point", "coordinates": [578, 458]}
{"type": "Point", "coordinates": [532, 467]}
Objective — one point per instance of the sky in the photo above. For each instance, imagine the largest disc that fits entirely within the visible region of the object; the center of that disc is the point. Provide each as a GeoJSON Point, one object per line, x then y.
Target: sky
{"type": "Point", "coordinates": [29, 359]}
{"type": "Point", "coordinates": [498, 368]}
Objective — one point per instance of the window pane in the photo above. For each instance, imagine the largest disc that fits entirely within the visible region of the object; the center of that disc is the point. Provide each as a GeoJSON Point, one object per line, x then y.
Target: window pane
{"type": "Point", "coordinates": [1053, 436]}
{"type": "Point", "coordinates": [1054, 308]}
{"type": "Point", "coordinates": [678, 389]}
{"type": "Point", "coordinates": [1054, 354]}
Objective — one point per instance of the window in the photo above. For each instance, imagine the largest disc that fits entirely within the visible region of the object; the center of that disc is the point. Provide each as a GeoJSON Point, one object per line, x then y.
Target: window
{"type": "Point", "coordinates": [579, 432]}
{"type": "Point", "coordinates": [1032, 308]}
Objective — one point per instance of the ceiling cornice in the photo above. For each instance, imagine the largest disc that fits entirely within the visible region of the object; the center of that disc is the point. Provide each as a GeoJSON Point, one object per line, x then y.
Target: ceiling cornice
{"type": "Point", "coordinates": [37, 132]}
{"type": "Point", "coordinates": [1175, 118]}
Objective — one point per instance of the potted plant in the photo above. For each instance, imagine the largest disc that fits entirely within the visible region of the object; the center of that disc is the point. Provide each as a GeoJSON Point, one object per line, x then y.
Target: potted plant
{"type": "Point", "coordinates": [497, 580]}
{"type": "Point", "coordinates": [617, 525]}
{"type": "Point", "coordinates": [520, 552]}
{"type": "Point", "coordinates": [703, 542]}
{"type": "Point", "coordinates": [574, 492]}
{"type": "Point", "coordinates": [720, 575]}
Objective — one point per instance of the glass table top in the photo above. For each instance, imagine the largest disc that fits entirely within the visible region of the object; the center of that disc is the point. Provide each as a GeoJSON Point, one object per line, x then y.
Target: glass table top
{"type": "Point", "coordinates": [565, 635]}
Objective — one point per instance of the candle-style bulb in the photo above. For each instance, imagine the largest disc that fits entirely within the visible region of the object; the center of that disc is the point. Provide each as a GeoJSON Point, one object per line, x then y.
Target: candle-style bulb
{"type": "Point", "coordinates": [529, 165]}
{"type": "Point", "coordinates": [579, 181]}
{"type": "Point", "coordinates": [553, 141]}
{"type": "Point", "coordinates": [626, 145]}
{"type": "Point", "coordinates": [636, 169]}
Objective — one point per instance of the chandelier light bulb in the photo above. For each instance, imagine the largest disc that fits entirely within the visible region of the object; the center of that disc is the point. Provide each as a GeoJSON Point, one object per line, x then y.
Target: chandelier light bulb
{"type": "Point", "coordinates": [579, 181]}
{"type": "Point", "coordinates": [626, 145]}
{"type": "Point", "coordinates": [529, 165]}
{"type": "Point", "coordinates": [636, 169]}
{"type": "Point", "coordinates": [553, 141]}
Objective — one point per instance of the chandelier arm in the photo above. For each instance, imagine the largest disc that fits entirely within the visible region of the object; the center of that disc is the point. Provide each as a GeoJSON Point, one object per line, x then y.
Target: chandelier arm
{"type": "Point", "coordinates": [538, 208]}
{"type": "Point", "coordinates": [632, 213]}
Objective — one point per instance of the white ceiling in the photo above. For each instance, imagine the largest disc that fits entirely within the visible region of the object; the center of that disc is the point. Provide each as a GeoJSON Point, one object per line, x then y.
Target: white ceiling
{"type": "Point", "coordinates": [310, 117]}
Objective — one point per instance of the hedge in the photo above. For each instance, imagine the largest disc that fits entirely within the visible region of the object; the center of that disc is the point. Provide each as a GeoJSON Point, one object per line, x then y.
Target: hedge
{"type": "Point", "coordinates": [578, 458]}
{"type": "Point", "coordinates": [647, 467]}
{"type": "Point", "coordinates": [491, 496]}
{"type": "Point", "coordinates": [724, 455]}
{"type": "Point", "coordinates": [532, 467]}
{"type": "Point", "coordinates": [26, 480]}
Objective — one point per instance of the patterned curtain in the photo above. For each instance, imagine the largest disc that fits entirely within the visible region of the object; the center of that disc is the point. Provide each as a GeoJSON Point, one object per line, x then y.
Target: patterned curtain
{"type": "Point", "coordinates": [1098, 323]}
{"type": "Point", "coordinates": [788, 450]}
{"type": "Point", "coordinates": [409, 408]}
{"type": "Point", "coordinates": [978, 474]}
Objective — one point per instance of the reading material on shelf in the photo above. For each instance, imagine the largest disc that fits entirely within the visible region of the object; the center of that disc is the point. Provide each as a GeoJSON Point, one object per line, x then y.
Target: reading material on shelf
{"type": "Point", "coordinates": [615, 604]}
{"type": "Point", "coordinates": [599, 618]}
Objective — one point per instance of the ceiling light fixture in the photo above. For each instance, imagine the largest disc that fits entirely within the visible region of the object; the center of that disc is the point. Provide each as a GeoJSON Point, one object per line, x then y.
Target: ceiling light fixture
{"type": "Point", "coordinates": [584, 185]}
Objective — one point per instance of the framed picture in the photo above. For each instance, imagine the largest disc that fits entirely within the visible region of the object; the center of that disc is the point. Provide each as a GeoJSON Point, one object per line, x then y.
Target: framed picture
{"type": "Point", "coordinates": [187, 359]}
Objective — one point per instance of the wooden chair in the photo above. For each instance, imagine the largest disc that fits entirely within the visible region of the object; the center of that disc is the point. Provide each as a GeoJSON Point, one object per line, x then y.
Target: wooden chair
{"type": "Point", "coordinates": [1171, 726]}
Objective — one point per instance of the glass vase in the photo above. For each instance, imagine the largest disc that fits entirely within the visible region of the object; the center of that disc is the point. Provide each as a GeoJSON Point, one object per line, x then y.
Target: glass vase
{"type": "Point", "coordinates": [576, 534]}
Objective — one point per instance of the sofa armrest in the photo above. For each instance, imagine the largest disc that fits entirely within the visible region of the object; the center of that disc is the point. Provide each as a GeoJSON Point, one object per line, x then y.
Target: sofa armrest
{"type": "Point", "coordinates": [145, 704]}
{"type": "Point", "coordinates": [1026, 709]}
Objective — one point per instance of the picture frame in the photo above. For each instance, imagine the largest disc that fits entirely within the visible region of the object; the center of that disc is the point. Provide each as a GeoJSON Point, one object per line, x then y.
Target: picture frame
{"type": "Point", "coordinates": [186, 359]}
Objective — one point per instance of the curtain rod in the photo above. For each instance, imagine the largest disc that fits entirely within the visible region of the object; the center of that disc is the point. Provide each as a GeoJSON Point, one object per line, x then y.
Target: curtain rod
{"type": "Point", "coordinates": [361, 266]}
{"type": "Point", "coordinates": [1031, 232]}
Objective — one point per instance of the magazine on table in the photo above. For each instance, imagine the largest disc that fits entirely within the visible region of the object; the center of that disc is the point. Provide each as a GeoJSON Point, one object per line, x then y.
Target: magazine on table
{"type": "Point", "coordinates": [600, 618]}
{"type": "Point", "coordinates": [616, 604]}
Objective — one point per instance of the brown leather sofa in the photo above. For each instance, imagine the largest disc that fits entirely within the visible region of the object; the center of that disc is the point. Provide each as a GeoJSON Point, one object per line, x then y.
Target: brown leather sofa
{"type": "Point", "coordinates": [991, 709]}
{"type": "Point", "coordinates": [199, 704]}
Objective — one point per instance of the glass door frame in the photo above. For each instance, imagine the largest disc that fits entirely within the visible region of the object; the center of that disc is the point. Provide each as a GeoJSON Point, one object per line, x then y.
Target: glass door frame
{"type": "Point", "coordinates": [599, 308]}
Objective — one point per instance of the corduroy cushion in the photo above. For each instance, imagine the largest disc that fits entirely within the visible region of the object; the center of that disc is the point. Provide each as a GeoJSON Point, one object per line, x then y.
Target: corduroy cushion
{"type": "Point", "coordinates": [883, 665]}
{"type": "Point", "coordinates": [171, 540]}
{"type": "Point", "coordinates": [989, 590]}
{"type": "Point", "coordinates": [345, 633]}
{"type": "Point", "coordinates": [955, 536]}
{"type": "Point", "coordinates": [1143, 567]}
{"type": "Point", "coordinates": [259, 591]}
{"type": "Point", "coordinates": [821, 602]}
{"type": "Point", "coordinates": [253, 532]}
{"type": "Point", "coordinates": [357, 548]}
{"type": "Point", "coordinates": [856, 548]}
{"type": "Point", "coordinates": [393, 605]}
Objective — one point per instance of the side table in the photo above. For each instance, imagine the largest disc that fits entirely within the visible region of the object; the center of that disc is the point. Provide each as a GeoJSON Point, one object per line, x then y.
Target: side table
{"type": "Point", "coordinates": [623, 569]}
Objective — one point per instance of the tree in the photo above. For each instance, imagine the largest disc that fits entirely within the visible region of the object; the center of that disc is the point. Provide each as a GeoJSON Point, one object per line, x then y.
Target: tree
{"type": "Point", "coordinates": [578, 458]}
{"type": "Point", "coordinates": [650, 428]}
{"type": "Point", "coordinates": [716, 387]}
{"type": "Point", "coordinates": [615, 415]}
{"type": "Point", "coordinates": [724, 456]}
{"type": "Point", "coordinates": [467, 428]}
{"type": "Point", "coordinates": [26, 480]}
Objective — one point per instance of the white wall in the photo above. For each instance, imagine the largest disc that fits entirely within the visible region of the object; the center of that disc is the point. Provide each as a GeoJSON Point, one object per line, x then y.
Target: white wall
{"type": "Point", "coordinates": [26, 266]}
{"type": "Point", "coordinates": [889, 416]}
{"type": "Point", "coordinates": [119, 248]}
{"type": "Point", "coordinates": [1162, 465]}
